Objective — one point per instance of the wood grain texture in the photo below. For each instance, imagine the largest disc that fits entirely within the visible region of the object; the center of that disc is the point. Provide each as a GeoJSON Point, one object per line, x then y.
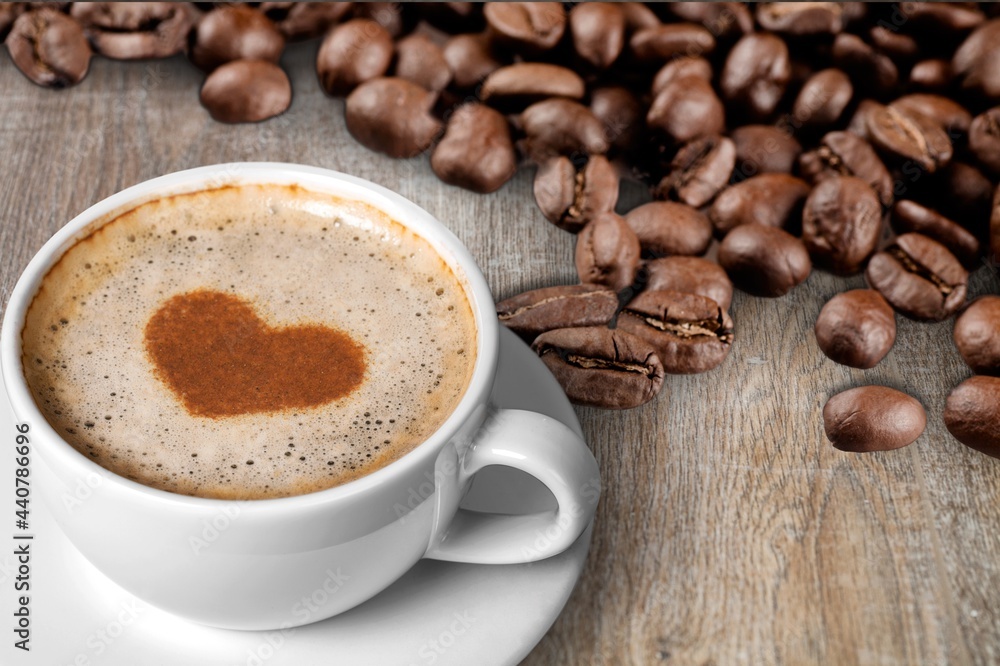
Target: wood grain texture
{"type": "Point", "coordinates": [729, 531]}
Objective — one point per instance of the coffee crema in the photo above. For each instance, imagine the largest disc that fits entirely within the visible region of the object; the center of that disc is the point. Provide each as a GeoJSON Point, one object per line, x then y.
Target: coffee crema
{"type": "Point", "coordinates": [249, 342]}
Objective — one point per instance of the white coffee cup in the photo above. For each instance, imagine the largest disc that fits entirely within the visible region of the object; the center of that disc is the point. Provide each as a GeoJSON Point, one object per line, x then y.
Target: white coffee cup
{"type": "Point", "coordinates": [261, 564]}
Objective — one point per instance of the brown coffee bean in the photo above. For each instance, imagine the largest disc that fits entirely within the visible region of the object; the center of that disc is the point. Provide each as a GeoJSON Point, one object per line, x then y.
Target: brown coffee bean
{"type": "Point", "coordinates": [528, 27]}
{"type": "Point", "coordinates": [135, 30]}
{"type": "Point", "coordinates": [599, 367]}
{"type": "Point", "coordinates": [9, 11]}
{"type": "Point", "coordinates": [994, 256]}
{"type": "Point", "coordinates": [756, 73]}
{"type": "Point", "coordinates": [561, 127]}
{"type": "Point", "coordinates": [304, 20]}
{"type": "Point", "coordinates": [571, 195]}
{"type": "Point", "coordinates": [622, 114]}
{"type": "Point", "coordinates": [844, 154]}
{"type": "Point", "coordinates": [667, 228]}
{"type": "Point", "coordinates": [598, 31]}
{"type": "Point", "coordinates": [932, 74]}
{"type": "Point", "coordinates": [49, 48]}
{"type": "Point", "coordinates": [398, 18]}
{"type": "Point", "coordinates": [607, 252]}
{"type": "Point", "coordinates": [638, 16]}
{"type": "Point", "coordinates": [908, 136]}
{"type": "Point", "coordinates": [246, 91]}
{"type": "Point", "coordinates": [801, 18]}
{"type": "Point", "coordinates": [357, 51]}
{"type": "Point", "coordinates": [234, 32]}
{"type": "Point", "coordinates": [984, 139]}
{"type": "Point", "coordinates": [534, 312]}
{"type": "Point", "coordinates": [476, 151]}
{"type": "Point", "coordinates": [764, 149]}
{"type": "Point", "coordinates": [471, 59]}
{"type": "Point", "coordinates": [873, 418]}
{"type": "Point", "coordinates": [687, 109]}
{"type": "Point", "coordinates": [823, 98]}
{"type": "Point", "coordinates": [655, 45]}
{"type": "Point", "coordinates": [972, 414]}
{"type": "Point", "coordinates": [523, 83]}
{"type": "Point", "coordinates": [771, 199]}
{"type": "Point", "coordinates": [909, 216]}
{"type": "Point", "coordinates": [919, 277]}
{"type": "Point", "coordinates": [975, 61]}
{"type": "Point", "coordinates": [764, 261]}
{"type": "Point", "coordinates": [420, 60]}
{"type": "Point", "coordinates": [869, 70]}
{"type": "Point", "coordinates": [679, 68]}
{"type": "Point", "coordinates": [392, 116]}
{"type": "Point", "coordinates": [952, 117]}
{"type": "Point", "coordinates": [858, 124]}
{"type": "Point", "coordinates": [977, 335]}
{"type": "Point", "coordinates": [936, 17]}
{"type": "Point", "coordinates": [896, 45]}
{"type": "Point", "coordinates": [690, 275]}
{"type": "Point", "coordinates": [856, 328]}
{"type": "Point", "coordinates": [699, 171]}
{"type": "Point", "coordinates": [842, 224]}
{"type": "Point", "coordinates": [722, 19]}
{"type": "Point", "coordinates": [962, 192]}
{"type": "Point", "coordinates": [690, 333]}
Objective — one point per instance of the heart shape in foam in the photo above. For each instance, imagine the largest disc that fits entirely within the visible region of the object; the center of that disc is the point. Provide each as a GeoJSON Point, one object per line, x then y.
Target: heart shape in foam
{"type": "Point", "coordinates": [221, 359]}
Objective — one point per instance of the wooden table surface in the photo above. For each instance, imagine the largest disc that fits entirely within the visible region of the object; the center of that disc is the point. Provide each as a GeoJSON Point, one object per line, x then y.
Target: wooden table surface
{"type": "Point", "coordinates": [729, 530]}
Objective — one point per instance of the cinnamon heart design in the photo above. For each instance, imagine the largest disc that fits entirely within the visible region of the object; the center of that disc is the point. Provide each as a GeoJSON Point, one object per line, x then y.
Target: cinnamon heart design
{"type": "Point", "coordinates": [220, 359]}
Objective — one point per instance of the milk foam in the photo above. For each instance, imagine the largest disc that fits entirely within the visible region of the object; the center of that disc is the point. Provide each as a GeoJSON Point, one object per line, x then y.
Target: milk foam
{"type": "Point", "coordinates": [299, 258]}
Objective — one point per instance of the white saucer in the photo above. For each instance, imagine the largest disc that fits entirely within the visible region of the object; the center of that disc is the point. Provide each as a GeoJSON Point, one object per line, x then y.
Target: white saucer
{"type": "Point", "coordinates": [439, 613]}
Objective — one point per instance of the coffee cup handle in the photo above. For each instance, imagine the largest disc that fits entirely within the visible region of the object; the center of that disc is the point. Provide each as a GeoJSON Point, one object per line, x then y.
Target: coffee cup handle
{"type": "Point", "coordinates": [547, 450]}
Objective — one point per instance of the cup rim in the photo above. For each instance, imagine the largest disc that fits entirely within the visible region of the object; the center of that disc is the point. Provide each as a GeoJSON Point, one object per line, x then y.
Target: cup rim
{"type": "Point", "coordinates": [395, 205]}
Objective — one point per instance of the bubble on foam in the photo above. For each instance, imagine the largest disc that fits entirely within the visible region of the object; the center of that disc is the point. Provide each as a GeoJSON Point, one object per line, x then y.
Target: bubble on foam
{"type": "Point", "coordinates": [89, 373]}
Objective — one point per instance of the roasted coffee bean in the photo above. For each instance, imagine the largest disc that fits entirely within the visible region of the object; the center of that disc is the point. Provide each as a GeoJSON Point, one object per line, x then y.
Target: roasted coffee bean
{"type": "Point", "coordinates": [655, 45]}
{"type": "Point", "coordinates": [687, 109]}
{"type": "Point", "coordinates": [622, 114]}
{"type": "Point", "coordinates": [690, 333]}
{"type": "Point", "coordinates": [953, 118]}
{"type": "Point", "coordinates": [681, 67]}
{"type": "Point", "coordinates": [977, 335]}
{"type": "Point", "coordinates": [476, 151]}
{"type": "Point", "coordinates": [515, 86]}
{"type": "Point", "coordinates": [561, 127]}
{"type": "Point", "coordinates": [856, 328]}
{"type": "Point", "coordinates": [932, 74]}
{"type": "Point", "coordinates": [534, 312]}
{"type": "Point", "coordinates": [49, 48]}
{"type": "Point", "coordinates": [607, 252]}
{"type": "Point", "coordinates": [771, 199]}
{"type": "Point", "coordinates": [398, 18]}
{"type": "Point", "coordinates": [975, 61]}
{"type": "Point", "coordinates": [234, 32]}
{"type": "Point", "coordinates": [801, 18]}
{"type": "Point", "coordinates": [571, 195]}
{"type": "Point", "coordinates": [638, 16]}
{"type": "Point", "coordinates": [919, 277]}
{"type": "Point", "coordinates": [873, 418]}
{"type": "Point", "coordinates": [962, 192]}
{"type": "Point", "coordinates": [9, 11]}
{"type": "Point", "coordinates": [420, 60]}
{"type": "Point", "coordinates": [723, 19]}
{"type": "Point", "coordinates": [934, 17]}
{"type": "Point", "coordinates": [908, 136]}
{"type": "Point", "coordinates": [823, 98]}
{"type": "Point", "coordinates": [666, 228]}
{"type": "Point", "coordinates": [392, 116]}
{"type": "Point", "coordinates": [842, 224]}
{"type": "Point", "coordinates": [135, 30]}
{"type": "Point", "coordinates": [858, 124]}
{"type": "Point", "coordinates": [756, 73]}
{"type": "Point", "coordinates": [527, 27]}
{"type": "Point", "coordinates": [910, 216]}
{"type": "Point", "coordinates": [304, 20]}
{"type": "Point", "coordinates": [984, 139]}
{"type": "Point", "coordinates": [764, 261]}
{"type": "Point", "coordinates": [690, 275]}
{"type": "Point", "coordinates": [764, 149]}
{"type": "Point", "coordinates": [599, 367]}
{"type": "Point", "coordinates": [870, 70]}
{"type": "Point", "coordinates": [598, 31]}
{"type": "Point", "coordinates": [246, 91]}
{"type": "Point", "coordinates": [896, 45]}
{"type": "Point", "coordinates": [352, 53]}
{"type": "Point", "coordinates": [972, 414]}
{"type": "Point", "coordinates": [699, 171]}
{"type": "Point", "coordinates": [471, 59]}
{"type": "Point", "coordinates": [844, 154]}
{"type": "Point", "coordinates": [994, 231]}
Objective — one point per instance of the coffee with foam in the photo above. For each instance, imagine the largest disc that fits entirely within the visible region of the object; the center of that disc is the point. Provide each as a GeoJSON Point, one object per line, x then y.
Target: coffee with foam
{"type": "Point", "coordinates": [249, 342]}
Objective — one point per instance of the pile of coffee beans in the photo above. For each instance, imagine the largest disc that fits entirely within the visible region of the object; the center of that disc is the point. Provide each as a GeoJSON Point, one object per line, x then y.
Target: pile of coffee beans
{"type": "Point", "coordinates": [773, 138]}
